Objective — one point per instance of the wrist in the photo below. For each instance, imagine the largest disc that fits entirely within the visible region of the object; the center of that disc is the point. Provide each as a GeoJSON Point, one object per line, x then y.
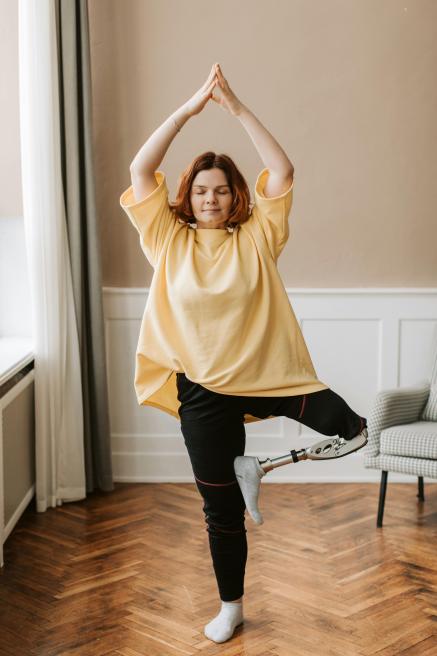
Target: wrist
{"type": "Point", "coordinates": [242, 111]}
{"type": "Point", "coordinates": [181, 116]}
{"type": "Point", "coordinates": [184, 112]}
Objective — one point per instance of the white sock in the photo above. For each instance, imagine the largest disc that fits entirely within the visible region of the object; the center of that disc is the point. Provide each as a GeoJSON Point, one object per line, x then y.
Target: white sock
{"type": "Point", "coordinates": [222, 627]}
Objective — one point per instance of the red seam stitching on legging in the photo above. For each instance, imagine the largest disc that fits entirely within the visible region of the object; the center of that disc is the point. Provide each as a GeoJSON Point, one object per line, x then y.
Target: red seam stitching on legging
{"type": "Point", "coordinates": [215, 484]}
{"type": "Point", "coordinates": [224, 530]}
{"type": "Point", "coordinates": [303, 405]}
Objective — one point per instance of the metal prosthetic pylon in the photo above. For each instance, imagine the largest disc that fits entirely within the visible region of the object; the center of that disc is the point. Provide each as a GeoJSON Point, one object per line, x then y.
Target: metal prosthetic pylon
{"type": "Point", "coordinates": [324, 450]}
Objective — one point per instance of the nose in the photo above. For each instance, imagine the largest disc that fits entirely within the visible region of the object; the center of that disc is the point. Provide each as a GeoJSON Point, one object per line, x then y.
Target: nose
{"type": "Point", "coordinates": [211, 200]}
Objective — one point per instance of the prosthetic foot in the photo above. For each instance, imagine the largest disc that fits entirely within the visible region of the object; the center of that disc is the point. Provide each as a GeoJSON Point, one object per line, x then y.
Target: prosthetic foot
{"type": "Point", "coordinates": [249, 470]}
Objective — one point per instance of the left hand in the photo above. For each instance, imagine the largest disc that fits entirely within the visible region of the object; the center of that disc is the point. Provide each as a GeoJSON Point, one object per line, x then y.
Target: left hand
{"type": "Point", "coordinates": [228, 100]}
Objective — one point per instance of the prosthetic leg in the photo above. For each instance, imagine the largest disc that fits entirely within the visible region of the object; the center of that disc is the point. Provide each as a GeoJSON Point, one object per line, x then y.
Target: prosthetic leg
{"type": "Point", "coordinates": [249, 470]}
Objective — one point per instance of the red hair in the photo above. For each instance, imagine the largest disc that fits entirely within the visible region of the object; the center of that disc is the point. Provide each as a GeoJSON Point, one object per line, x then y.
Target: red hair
{"type": "Point", "coordinates": [241, 205]}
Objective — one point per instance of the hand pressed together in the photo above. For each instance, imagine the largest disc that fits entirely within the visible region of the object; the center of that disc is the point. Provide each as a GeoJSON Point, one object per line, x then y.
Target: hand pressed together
{"type": "Point", "coordinates": [228, 101]}
{"type": "Point", "coordinates": [198, 101]}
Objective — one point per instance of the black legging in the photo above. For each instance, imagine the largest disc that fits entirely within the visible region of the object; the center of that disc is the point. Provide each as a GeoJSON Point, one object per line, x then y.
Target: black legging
{"type": "Point", "coordinates": [213, 428]}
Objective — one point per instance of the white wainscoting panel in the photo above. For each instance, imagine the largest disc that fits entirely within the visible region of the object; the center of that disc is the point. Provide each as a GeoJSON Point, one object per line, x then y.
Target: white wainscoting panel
{"type": "Point", "coordinates": [361, 341]}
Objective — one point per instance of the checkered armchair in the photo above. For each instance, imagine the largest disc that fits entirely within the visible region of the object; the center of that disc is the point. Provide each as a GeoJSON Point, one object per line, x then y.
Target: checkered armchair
{"type": "Point", "coordinates": [402, 427]}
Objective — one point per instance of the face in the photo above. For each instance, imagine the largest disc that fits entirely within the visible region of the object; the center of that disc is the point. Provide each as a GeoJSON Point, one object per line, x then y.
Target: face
{"type": "Point", "coordinates": [211, 198]}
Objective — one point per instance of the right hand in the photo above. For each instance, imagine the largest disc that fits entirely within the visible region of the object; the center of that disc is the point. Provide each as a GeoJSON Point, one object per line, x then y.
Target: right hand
{"type": "Point", "coordinates": [201, 97]}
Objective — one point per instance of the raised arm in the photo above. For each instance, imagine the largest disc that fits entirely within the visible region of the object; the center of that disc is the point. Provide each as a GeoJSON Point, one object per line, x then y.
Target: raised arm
{"type": "Point", "coordinates": [281, 170]}
{"type": "Point", "coordinates": [151, 154]}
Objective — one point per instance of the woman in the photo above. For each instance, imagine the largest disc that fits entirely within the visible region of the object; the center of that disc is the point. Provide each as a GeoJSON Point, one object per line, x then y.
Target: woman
{"type": "Point", "coordinates": [219, 344]}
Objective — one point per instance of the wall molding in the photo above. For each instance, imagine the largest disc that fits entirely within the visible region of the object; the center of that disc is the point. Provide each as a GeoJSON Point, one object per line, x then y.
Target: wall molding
{"type": "Point", "coordinates": [361, 340]}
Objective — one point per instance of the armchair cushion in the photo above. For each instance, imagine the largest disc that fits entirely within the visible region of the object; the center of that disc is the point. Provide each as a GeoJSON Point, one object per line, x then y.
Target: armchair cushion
{"type": "Point", "coordinates": [430, 410]}
{"type": "Point", "coordinates": [412, 466]}
{"type": "Point", "coordinates": [416, 440]}
{"type": "Point", "coordinates": [394, 407]}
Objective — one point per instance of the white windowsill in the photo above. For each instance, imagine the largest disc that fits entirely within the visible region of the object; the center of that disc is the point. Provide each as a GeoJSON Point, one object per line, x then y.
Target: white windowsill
{"type": "Point", "coordinates": [15, 353]}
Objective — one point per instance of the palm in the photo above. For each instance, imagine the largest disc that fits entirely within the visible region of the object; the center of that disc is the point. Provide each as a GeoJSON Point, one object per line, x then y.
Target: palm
{"type": "Point", "coordinates": [198, 101]}
{"type": "Point", "coordinates": [224, 103]}
{"type": "Point", "coordinates": [228, 100]}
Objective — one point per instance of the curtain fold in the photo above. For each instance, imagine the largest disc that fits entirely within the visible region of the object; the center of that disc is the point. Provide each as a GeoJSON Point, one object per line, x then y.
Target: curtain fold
{"type": "Point", "coordinates": [82, 225]}
{"type": "Point", "coordinates": [59, 457]}
{"type": "Point", "coordinates": [71, 409]}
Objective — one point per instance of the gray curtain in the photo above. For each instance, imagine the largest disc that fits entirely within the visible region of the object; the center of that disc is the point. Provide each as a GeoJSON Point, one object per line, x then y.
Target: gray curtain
{"type": "Point", "coordinates": [80, 207]}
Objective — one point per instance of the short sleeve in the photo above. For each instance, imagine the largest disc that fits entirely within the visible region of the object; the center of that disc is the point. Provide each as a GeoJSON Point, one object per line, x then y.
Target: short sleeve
{"type": "Point", "coordinates": [271, 214]}
{"type": "Point", "coordinates": [152, 217]}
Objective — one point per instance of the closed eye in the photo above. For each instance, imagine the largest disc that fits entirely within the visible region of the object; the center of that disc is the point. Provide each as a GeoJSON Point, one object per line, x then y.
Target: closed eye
{"type": "Point", "coordinates": [220, 192]}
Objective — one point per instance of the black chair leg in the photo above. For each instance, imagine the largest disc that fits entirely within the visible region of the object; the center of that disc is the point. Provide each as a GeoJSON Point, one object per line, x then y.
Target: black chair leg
{"type": "Point", "coordinates": [382, 491]}
{"type": "Point", "coordinates": [420, 493]}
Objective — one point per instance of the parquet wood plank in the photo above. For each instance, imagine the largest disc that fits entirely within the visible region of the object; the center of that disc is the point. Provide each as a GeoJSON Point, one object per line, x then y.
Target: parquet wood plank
{"type": "Point", "coordinates": [129, 574]}
{"type": "Point", "coordinates": [401, 645]}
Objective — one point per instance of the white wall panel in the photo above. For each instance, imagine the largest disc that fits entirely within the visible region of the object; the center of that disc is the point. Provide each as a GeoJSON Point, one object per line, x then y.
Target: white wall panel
{"type": "Point", "coordinates": [360, 340]}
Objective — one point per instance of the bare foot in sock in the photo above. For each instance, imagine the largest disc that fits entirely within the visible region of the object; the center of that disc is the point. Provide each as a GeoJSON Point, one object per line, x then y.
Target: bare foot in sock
{"type": "Point", "coordinates": [222, 627]}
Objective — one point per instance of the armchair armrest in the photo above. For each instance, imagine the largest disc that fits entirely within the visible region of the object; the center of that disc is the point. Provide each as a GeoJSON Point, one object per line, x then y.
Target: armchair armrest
{"type": "Point", "coordinates": [393, 407]}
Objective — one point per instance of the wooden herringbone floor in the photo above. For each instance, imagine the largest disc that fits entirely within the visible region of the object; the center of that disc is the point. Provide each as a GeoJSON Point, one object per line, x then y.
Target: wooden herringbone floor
{"type": "Point", "coordinates": [129, 574]}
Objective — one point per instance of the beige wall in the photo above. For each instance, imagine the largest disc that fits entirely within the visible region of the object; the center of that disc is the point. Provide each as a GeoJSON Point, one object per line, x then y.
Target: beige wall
{"type": "Point", "coordinates": [346, 86]}
{"type": "Point", "coordinates": [10, 164]}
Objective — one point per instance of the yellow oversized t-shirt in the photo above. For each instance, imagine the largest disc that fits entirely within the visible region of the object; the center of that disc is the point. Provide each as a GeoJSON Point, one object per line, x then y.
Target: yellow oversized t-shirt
{"type": "Point", "coordinates": [217, 308]}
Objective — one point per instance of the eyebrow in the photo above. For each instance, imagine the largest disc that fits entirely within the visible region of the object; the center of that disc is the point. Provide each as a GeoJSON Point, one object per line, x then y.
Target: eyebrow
{"type": "Point", "coordinates": [204, 187]}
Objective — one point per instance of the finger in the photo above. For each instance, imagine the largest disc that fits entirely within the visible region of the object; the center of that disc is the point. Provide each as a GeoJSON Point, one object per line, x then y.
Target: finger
{"type": "Point", "coordinates": [223, 84]}
{"type": "Point", "coordinates": [222, 88]}
{"type": "Point", "coordinates": [220, 78]}
{"type": "Point", "coordinates": [219, 72]}
{"type": "Point", "coordinates": [217, 100]}
{"type": "Point", "coordinates": [212, 85]}
{"type": "Point", "coordinates": [206, 88]}
{"type": "Point", "coordinates": [211, 74]}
